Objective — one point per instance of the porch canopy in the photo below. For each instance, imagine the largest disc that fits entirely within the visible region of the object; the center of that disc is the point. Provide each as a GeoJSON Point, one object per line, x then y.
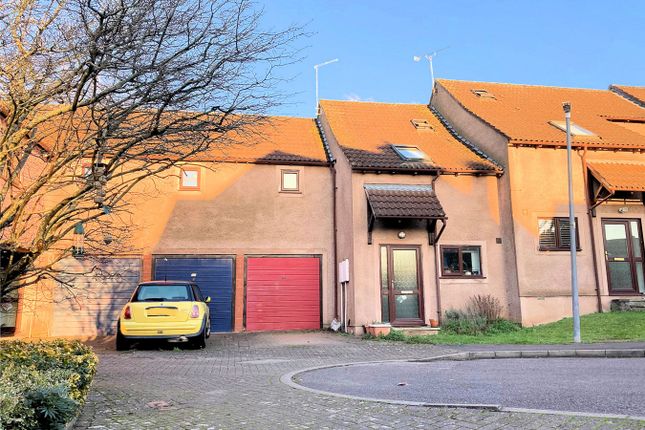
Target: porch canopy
{"type": "Point", "coordinates": [616, 179]}
{"type": "Point", "coordinates": [402, 201]}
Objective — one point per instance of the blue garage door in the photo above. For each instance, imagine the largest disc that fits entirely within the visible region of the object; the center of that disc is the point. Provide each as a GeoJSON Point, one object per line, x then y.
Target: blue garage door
{"type": "Point", "coordinates": [214, 277]}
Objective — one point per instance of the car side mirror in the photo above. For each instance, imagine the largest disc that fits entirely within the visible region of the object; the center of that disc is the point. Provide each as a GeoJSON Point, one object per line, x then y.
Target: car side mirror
{"type": "Point", "coordinates": [207, 299]}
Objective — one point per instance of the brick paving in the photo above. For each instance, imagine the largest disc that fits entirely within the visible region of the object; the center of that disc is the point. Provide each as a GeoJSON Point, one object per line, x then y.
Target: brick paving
{"type": "Point", "coordinates": [235, 384]}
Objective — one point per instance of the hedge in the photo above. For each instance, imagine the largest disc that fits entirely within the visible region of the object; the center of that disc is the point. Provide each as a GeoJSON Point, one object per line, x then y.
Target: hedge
{"type": "Point", "coordinates": [43, 384]}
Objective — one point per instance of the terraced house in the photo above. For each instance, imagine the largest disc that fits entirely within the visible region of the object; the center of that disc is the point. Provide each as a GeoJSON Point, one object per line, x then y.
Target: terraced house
{"type": "Point", "coordinates": [425, 206]}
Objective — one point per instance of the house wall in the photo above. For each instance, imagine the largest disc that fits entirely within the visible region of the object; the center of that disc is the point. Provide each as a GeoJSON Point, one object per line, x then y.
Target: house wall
{"type": "Point", "coordinates": [535, 185]}
{"type": "Point", "coordinates": [238, 211]}
{"type": "Point", "coordinates": [471, 206]}
{"type": "Point", "coordinates": [495, 144]}
{"type": "Point", "coordinates": [345, 228]}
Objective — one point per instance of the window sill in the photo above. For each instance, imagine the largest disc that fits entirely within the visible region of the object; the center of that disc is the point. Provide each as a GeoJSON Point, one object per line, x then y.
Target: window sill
{"type": "Point", "coordinates": [461, 277]}
{"type": "Point", "coordinates": [558, 250]}
{"type": "Point", "coordinates": [290, 192]}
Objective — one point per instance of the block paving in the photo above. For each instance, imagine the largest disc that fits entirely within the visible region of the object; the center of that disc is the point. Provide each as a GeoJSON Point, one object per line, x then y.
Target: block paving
{"type": "Point", "coordinates": [235, 384]}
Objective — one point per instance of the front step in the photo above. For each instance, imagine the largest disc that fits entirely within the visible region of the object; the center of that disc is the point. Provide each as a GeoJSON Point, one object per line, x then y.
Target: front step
{"type": "Point", "coordinates": [417, 331]}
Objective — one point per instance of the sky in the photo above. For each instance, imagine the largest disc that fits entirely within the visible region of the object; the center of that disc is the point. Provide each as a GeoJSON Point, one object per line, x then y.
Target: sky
{"type": "Point", "coordinates": [585, 44]}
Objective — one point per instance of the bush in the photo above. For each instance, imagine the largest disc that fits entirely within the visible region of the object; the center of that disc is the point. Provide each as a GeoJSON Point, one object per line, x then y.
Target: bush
{"type": "Point", "coordinates": [43, 384]}
{"type": "Point", "coordinates": [460, 322]}
{"type": "Point", "coordinates": [486, 306]}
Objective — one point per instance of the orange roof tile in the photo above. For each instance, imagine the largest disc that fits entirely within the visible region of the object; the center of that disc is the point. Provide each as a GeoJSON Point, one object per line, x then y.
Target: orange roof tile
{"type": "Point", "coordinates": [635, 94]}
{"type": "Point", "coordinates": [278, 139]}
{"type": "Point", "coordinates": [366, 132]}
{"type": "Point", "coordinates": [619, 175]}
{"type": "Point", "coordinates": [523, 113]}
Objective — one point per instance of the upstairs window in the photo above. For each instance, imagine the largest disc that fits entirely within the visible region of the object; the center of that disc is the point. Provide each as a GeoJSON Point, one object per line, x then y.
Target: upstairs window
{"type": "Point", "coordinates": [290, 182]}
{"type": "Point", "coordinates": [189, 178]}
{"type": "Point", "coordinates": [554, 234]}
{"type": "Point", "coordinates": [409, 153]}
{"type": "Point", "coordinates": [576, 130]}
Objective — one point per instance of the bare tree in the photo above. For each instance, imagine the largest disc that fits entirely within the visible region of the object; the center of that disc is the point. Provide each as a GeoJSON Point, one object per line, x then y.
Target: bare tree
{"type": "Point", "coordinates": [126, 88]}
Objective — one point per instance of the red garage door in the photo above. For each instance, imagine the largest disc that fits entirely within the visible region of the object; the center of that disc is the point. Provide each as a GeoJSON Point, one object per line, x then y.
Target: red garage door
{"type": "Point", "coordinates": [282, 293]}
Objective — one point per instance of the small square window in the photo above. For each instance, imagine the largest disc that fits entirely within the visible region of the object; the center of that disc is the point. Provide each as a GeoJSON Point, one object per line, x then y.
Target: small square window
{"type": "Point", "coordinates": [410, 153]}
{"type": "Point", "coordinates": [461, 261]}
{"type": "Point", "coordinates": [290, 181]}
{"type": "Point", "coordinates": [554, 234]}
{"type": "Point", "coordinates": [189, 179]}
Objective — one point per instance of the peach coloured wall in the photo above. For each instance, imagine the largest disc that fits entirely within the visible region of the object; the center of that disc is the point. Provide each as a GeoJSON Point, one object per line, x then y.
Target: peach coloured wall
{"type": "Point", "coordinates": [495, 145]}
{"type": "Point", "coordinates": [344, 212]}
{"type": "Point", "coordinates": [471, 206]}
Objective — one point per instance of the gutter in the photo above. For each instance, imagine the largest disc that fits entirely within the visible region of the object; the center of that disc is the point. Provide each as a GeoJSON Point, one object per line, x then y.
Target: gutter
{"type": "Point", "coordinates": [436, 264]}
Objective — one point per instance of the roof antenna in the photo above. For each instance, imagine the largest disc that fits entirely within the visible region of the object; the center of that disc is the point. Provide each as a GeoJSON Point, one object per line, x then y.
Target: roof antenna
{"type": "Point", "coordinates": [316, 67]}
{"type": "Point", "coordinates": [429, 57]}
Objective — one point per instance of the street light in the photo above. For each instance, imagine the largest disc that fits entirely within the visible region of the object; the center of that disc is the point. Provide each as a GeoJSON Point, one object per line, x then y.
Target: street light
{"type": "Point", "coordinates": [316, 67]}
{"type": "Point", "coordinates": [575, 306]}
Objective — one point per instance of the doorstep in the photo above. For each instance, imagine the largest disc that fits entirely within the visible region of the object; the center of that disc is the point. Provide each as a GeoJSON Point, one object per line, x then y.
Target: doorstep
{"type": "Point", "coordinates": [417, 331]}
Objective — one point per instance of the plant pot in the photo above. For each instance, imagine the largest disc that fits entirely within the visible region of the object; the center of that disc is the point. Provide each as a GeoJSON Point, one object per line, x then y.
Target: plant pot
{"type": "Point", "coordinates": [379, 329]}
{"type": "Point", "coordinates": [434, 323]}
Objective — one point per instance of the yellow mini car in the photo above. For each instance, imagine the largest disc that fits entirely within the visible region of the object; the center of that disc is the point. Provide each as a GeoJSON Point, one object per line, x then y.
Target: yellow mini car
{"type": "Point", "coordinates": [171, 310]}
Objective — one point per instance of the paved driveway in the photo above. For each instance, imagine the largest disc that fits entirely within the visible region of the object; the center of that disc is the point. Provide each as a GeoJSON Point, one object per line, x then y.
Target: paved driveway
{"type": "Point", "coordinates": [235, 384]}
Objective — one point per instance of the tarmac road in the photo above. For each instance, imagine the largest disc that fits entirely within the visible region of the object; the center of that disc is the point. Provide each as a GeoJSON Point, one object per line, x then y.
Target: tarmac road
{"type": "Point", "coordinates": [591, 385]}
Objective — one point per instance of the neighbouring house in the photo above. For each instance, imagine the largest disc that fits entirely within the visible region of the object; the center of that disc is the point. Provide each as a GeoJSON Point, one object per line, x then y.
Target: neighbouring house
{"type": "Point", "coordinates": [251, 223]}
{"type": "Point", "coordinates": [522, 127]}
{"type": "Point", "coordinates": [417, 215]}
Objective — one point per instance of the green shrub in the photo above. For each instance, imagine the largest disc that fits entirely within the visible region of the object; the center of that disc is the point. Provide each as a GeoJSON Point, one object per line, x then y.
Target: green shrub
{"type": "Point", "coordinates": [394, 335]}
{"type": "Point", "coordinates": [43, 384]}
{"type": "Point", "coordinates": [486, 306]}
{"type": "Point", "coordinates": [502, 326]}
{"type": "Point", "coordinates": [461, 322]}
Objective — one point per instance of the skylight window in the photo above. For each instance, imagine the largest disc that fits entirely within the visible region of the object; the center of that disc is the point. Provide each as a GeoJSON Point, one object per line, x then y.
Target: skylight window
{"type": "Point", "coordinates": [576, 130]}
{"type": "Point", "coordinates": [409, 153]}
{"type": "Point", "coordinates": [421, 124]}
{"type": "Point", "coordinates": [484, 94]}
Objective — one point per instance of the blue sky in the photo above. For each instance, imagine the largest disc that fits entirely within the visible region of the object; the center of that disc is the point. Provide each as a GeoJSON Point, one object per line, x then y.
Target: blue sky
{"type": "Point", "coordinates": [588, 44]}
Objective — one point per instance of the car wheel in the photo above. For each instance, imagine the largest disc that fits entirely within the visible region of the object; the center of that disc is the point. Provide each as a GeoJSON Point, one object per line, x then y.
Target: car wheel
{"type": "Point", "coordinates": [199, 342]}
{"type": "Point", "coordinates": [122, 344]}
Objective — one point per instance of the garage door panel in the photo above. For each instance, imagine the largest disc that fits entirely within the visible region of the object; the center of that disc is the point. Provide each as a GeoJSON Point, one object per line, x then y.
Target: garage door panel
{"type": "Point", "coordinates": [282, 293]}
{"type": "Point", "coordinates": [214, 275]}
{"type": "Point", "coordinates": [91, 295]}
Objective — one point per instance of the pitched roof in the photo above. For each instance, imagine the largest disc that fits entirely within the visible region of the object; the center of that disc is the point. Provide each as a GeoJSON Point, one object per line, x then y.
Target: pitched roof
{"type": "Point", "coordinates": [367, 133]}
{"type": "Point", "coordinates": [524, 113]}
{"type": "Point", "coordinates": [403, 201]}
{"type": "Point", "coordinates": [276, 140]}
{"type": "Point", "coordinates": [634, 94]}
{"type": "Point", "coordinates": [260, 139]}
{"type": "Point", "coordinates": [619, 175]}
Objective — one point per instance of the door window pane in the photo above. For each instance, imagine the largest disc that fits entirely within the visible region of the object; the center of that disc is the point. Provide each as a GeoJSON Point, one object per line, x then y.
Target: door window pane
{"type": "Point", "coordinates": [384, 268]}
{"type": "Point", "coordinates": [385, 308]}
{"type": "Point", "coordinates": [405, 269]}
{"type": "Point", "coordinates": [636, 239]}
{"type": "Point", "coordinates": [407, 306]}
{"type": "Point", "coordinates": [616, 241]}
{"type": "Point", "coordinates": [620, 276]}
{"type": "Point", "coordinates": [639, 278]}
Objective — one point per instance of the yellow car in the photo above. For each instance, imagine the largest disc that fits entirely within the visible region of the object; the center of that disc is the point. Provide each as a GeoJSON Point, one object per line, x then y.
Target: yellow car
{"type": "Point", "coordinates": [170, 310]}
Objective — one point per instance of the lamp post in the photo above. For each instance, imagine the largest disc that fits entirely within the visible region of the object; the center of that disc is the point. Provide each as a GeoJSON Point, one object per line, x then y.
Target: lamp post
{"type": "Point", "coordinates": [316, 67]}
{"type": "Point", "coordinates": [575, 306]}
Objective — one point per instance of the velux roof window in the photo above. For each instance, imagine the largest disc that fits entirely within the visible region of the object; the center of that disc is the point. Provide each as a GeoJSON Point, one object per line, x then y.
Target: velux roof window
{"type": "Point", "coordinates": [409, 153]}
{"type": "Point", "coordinates": [576, 130]}
{"type": "Point", "coordinates": [484, 94]}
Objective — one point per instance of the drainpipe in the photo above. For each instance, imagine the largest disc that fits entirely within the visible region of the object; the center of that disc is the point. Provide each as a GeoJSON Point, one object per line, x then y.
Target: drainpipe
{"type": "Point", "coordinates": [591, 229]}
{"type": "Point", "coordinates": [332, 168]}
{"type": "Point", "coordinates": [436, 265]}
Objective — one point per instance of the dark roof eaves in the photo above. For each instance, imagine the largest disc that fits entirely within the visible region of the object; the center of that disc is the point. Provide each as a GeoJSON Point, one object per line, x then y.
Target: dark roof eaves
{"type": "Point", "coordinates": [323, 137]}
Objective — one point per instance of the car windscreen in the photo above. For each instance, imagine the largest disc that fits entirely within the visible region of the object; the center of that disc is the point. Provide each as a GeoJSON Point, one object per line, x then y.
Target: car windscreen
{"type": "Point", "coordinates": [163, 293]}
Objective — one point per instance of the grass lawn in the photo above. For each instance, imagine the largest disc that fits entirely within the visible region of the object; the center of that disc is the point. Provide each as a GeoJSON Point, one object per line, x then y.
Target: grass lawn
{"type": "Point", "coordinates": [605, 327]}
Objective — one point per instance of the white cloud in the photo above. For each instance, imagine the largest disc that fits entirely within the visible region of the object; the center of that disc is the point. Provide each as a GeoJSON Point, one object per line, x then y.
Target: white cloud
{"type": "Point", "coordinates": [353, 97]}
